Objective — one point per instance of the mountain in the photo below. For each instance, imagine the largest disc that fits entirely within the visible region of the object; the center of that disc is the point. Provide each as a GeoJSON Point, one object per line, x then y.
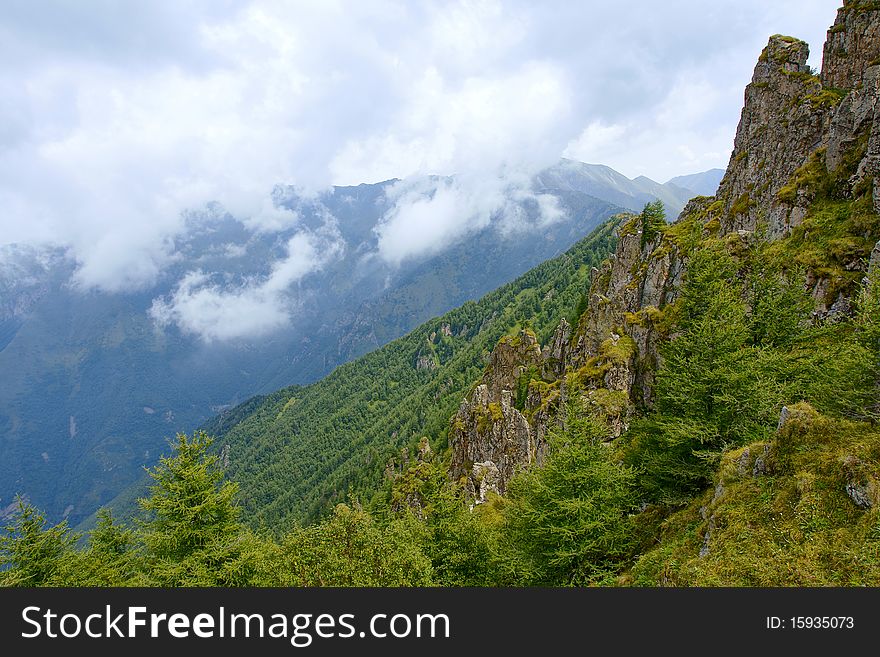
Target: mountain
{"type": "Point", "coordinates": [704, 183]}
{"type": "Point", "coordinates": [729, 359]}
{"type": "Point", "coordinates": [684, 404]}
{"type": "Point", "coordinates": [93, 386]}
{"type": "Point", "coordinates": [606, 183]}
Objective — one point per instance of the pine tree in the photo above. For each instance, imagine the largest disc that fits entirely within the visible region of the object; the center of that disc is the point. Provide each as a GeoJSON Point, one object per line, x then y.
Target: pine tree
{"type": "Point", "coordinates": [111, 558]}
{"type": "Point", "coordinates": [653, 220]}
{"type": "Point", "coordinates": [192, 521]}
{"type": "Point", "coordinates": [568, 522]}
{"type": "Point", "coordinates": [32, 553]}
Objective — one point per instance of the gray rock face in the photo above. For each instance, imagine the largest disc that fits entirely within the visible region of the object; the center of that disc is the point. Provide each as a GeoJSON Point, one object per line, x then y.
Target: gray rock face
{"type": "Point", "coordinates": [760, 468]}
{"type": "Point", "coordinates": [784, 416]}
{"type": "Point", "coordinates": [490, 441]}
{"type": "Point", "coordinates": [638, 277]}
{"type": "Point", "coordinates": [554, 353]}
{"type": "Point", "coordinates": [874, 262]}
{"type": "Point", "coordinates": [707, 514]}
{"type": "Point", "coordinates": [484, 478]}
{"type": "Point", "coordinates": [511, 357]}
{"type": "Point", "coordinates": [861, 487]}
{"type": "Point", "coordinates": [779, 128]}
{"type": "Point", "coordinates": [853, 43]}
{"type": "Point", "coordinates": [860, 494]}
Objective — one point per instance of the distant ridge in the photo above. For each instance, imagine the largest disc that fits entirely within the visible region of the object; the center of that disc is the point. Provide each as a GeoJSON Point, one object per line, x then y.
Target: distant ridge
{"type": "Point", "coordinates": [704, 184]}
{"type": "Point", "coordinates": [605, 183]}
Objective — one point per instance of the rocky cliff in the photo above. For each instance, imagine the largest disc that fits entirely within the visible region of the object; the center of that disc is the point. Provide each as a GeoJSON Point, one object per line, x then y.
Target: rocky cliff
{"type": "Point", "coordinates": [802, 175]}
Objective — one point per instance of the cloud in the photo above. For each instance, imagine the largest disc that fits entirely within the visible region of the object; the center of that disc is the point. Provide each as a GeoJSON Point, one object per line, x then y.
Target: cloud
{"type": "Point", "coordinates": [118, 118]}
{"type": "Point", "coordinates": [429, 214]}
{"type": "Point", "coordinates": [210, 308]}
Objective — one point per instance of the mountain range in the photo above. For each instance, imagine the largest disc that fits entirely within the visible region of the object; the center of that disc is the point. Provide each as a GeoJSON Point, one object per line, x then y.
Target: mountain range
{"type": "Point", "coordinates": [685, 403]}
{"type": "Point", "coordinates": [94, 383]}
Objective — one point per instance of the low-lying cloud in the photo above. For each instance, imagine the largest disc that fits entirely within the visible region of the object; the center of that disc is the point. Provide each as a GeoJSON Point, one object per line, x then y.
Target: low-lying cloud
{"type": "Point", "coordinates": [429, 214]}
{"type": "Point", "coordinates": [116, 120]}
{"type": "Point", "coordinates": [207, 306]}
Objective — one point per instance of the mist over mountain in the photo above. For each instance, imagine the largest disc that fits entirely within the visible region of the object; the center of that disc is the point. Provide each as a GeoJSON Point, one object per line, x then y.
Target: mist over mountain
{"type": "Point", "coordinates": [95, 382]}
{"type": "Point", "coordinates": [604, 182]}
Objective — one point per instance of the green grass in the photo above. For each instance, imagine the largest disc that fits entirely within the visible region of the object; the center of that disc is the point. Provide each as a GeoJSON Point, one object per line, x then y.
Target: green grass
{"type": "Point", "coordinates": [794, 526]}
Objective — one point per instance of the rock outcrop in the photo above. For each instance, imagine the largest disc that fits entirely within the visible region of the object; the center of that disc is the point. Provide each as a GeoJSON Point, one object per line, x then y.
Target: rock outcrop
{"type": "Point", "coordinates": [801, 134]}
{"type": "Point", "coordinates": [783, 120]}
{"type": "Point", "coordinates": [852, 45]}
{"type": "Point", "coordinates": [490, 437]}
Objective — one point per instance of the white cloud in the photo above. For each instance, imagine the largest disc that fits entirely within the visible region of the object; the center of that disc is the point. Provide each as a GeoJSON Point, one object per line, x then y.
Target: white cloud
{"type": "Point", "coordinates": [204, 306]}
{"type": "Point", "coordinates": [429, 214]}
{"type": "Point", "coordinates": [476, 124]}
{"type": "Point", "coordinates": [106, 139]}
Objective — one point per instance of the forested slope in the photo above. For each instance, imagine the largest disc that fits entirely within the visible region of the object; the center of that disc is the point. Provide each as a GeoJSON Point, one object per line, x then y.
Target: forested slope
{"type": "Point", "coordinates": [304, 448]}
{"type": "Point", "coordinates": [700, 409]}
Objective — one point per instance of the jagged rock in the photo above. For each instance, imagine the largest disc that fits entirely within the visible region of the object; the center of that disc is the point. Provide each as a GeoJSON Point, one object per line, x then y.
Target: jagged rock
{"type": "Point", "coordinates": [489, 431]}
{"type": "Point", "coordinates": [760, 468]}
{"type": "Point", "coordinates": [710, 528]}
{"type": "Point", "coordinates": [512, 356]}
{"type": "Point", "coordinates": [426, 362]}
{"type": "Point", "coordinates": [484, 478]}
{"type": "Point", "coordinates": [840, 310]}
{"type": "Point", "coordinates": [554, 353]}
{"type": "Point", "coordinates": [446, 329]}
{"type": "Point", "coordinates": [777, 132]}
{"type": "Point", "coordinates": [860, 494]}
{"type": "Point", "coordinates": [851, 118]}
{"type": "Point", "coordinates": [639, 276]}
{"type": "Point", "coordinates": [852, 43]}
{"type": "Point", "coordinates": [860, 486]}
{"type": "Point", "coordinates": [784, 416]}
{"type": "Point", "coordinates": [743, 462]}
{"type": "Point", "coordinates": [874, 261]}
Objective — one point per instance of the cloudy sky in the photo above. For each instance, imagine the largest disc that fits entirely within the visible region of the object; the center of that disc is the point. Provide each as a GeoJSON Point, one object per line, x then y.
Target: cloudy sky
{"type": "Point", "coordinates": [117, 116]}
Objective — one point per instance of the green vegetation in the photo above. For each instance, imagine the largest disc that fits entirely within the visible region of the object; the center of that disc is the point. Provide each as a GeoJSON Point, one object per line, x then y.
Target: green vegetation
{"type": "Point", "coordinates": [569, 521]}
{"type": "Point", "coordinates": [795, 526]}
{"type": "Point", "coordinates": [295, 461]}
{"type": "Point", "coordinates": [653, 220]}
{"type": "Point", "coordinates": [703, 488]}
{"type": "Point", "coordinates": [188, 535]}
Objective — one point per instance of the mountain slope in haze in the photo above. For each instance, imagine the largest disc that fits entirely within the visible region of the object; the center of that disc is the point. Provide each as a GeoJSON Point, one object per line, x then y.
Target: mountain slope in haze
{"type": "Point", "coordinates": [606, 183]}
{"type": "Point", "coordinates": [704, 184]}
{"type": "Point", "coordinates": [729, 360]}
{"type": "Point", "coordinates": [302, 449]}
{"type": "Point", "coordinates": [92, 388]}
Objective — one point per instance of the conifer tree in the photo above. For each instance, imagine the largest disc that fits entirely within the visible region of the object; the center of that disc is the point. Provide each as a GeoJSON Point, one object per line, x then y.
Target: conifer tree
{"type": "Point", "coordinates": [568, 522]}
{"type": "Point", "coordinates": [192, 521]}
{"type": "Point", "coordinates": [34, 554]}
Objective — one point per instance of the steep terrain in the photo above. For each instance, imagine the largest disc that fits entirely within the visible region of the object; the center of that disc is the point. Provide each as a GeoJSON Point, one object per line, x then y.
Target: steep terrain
{"type": "Point", "coordinates": [302, 449]}
{"type": "Point", "coordinates": [92, 387]}
{"type": "Point", "coordinates": [799, 206]}
{"type": "Point", "coordinates": [695, 336]}
{"type": "Point", "coordinates": [693, 403]}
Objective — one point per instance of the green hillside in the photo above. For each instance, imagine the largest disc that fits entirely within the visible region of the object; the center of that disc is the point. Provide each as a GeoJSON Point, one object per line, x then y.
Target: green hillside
{"type": "Point", "coordinates": [709, 418]}
{"type": "Point", "coordinates": [302, 449]}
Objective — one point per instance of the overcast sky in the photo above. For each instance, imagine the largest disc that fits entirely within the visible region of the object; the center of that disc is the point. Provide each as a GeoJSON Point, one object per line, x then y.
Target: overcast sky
{"type": "Point", "coordinates": [116, 116]}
